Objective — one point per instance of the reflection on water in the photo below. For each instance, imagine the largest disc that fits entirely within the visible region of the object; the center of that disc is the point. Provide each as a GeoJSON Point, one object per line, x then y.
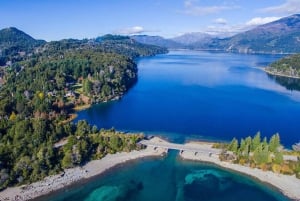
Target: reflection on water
{"type": "Point", "coordinates": [288, 83]}
{"type": "Point", "coordinates": [203, 95]}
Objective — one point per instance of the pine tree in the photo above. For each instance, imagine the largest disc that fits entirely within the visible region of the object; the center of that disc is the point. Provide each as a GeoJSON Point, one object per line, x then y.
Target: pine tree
{"type": "Point", "coordinates": [274, 142]}
{"type": "Point", "coordinates": [256, 141]}
{"type": "Point", "coordinates": [278, 157]}
{"type": "Point", "coordinates": [233, 146]}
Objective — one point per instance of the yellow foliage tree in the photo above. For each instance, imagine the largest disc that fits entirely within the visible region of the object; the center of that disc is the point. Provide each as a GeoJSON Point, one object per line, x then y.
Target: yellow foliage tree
{"type": "Point", "coordinates": [13, 116]}
{"type": "Point", "coordinates": [41, 95]}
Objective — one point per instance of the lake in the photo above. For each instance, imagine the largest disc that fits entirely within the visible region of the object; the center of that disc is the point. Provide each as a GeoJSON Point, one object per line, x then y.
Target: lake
{"type": "Point", "coordinates": [188, 95]}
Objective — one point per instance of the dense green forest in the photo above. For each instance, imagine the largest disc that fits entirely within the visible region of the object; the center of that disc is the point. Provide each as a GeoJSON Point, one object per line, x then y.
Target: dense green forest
{"type": "Point", "coordinates": [15, 43]}
{"type": "Point", "coordinates": [28, 151]}
{"type": "Point", "coordinates": [261, 153]}
{"type": "Point", "coordinates": [41, 83]}
{"type": "Point", "coordinates": [287, 66]}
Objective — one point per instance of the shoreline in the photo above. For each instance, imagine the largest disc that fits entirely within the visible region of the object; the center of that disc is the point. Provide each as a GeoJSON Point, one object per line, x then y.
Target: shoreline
{"type": "Point", "coordinates": [279, 74]}
{"type": "Point", "coordinates": [71, 176]}
{"type": "Point", "coordinates": [288, 185]}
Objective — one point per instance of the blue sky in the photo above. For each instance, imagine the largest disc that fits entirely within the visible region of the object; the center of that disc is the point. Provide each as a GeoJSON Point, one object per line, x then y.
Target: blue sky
{"type": "Point", "coordinates": [58, 19]}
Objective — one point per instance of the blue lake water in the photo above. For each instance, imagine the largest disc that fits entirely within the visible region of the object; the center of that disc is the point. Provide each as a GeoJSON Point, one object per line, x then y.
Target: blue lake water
{"type": "Point", "coordinates": [187, 95]}
{"type": "Point", "coordinates": [168, 179]}
{"type": "Point", "coordinates": [203, 95]}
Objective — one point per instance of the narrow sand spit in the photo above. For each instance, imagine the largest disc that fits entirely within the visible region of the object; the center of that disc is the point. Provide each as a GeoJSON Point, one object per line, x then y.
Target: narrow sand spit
{"type": "Point", "coordinates": [93, 168]}
{"type": "Point", "coordinates": [287, 184]}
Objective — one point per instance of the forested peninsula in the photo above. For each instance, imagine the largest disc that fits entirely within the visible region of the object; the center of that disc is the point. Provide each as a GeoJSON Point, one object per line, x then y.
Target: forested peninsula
{"type": "Point", "coordinates": [286, 67]}
{"type": "Point", "coordinates": [40, 85]}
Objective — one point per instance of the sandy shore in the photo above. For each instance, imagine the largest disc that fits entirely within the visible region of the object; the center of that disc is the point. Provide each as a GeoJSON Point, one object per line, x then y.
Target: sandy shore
{"type": "Point", "coordinates": [280, 74]}
{"type": "Point", "coordinates": [93, 168]}
{"type": "Point", "coordinates": [288, 185]}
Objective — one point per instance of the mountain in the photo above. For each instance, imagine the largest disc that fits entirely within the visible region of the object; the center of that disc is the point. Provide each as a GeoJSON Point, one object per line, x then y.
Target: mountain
{"type": "Point", "coordinates": [281, 36]}
{"type": "Point", "coordinates": [191, 38]}
{"type": "Point", "coordinates": [13, 36]}
{"type": "Point", "coordinates": [14, 41]}
{"type": "Point", "coordinates": [128, 46]}
{"type": "Point", "coordinates": [157, 40]}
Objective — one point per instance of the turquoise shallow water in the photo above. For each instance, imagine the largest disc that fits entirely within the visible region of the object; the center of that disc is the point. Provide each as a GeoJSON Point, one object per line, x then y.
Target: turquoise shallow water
{"type": "Point", "coordinates": [169, 179]}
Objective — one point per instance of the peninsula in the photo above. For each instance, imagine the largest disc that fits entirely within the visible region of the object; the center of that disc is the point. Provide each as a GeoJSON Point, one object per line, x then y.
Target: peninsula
{"type": "Point", "coordinates": [286, 67]}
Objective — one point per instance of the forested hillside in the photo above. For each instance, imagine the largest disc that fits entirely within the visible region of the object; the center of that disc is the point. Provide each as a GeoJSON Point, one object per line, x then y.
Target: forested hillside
{"type": "Point", "coordinates": [288, 66]}
{"type": "Point", "coordinates": [40, 88]}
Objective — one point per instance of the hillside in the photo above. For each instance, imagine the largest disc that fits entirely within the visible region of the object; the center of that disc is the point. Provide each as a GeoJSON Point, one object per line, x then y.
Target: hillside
{"type": "Point", "coordinates": [15, 44]}
{"type": "Point", "coordinates": [286, 67]}
{"type": "Point", "coordinates": [158, 41]}
{"type": "Point", "coordinates": [281, 36]}
{"type": "Point", "coordinates": [189, 39]}
{"type": "Point", "coordinates": [39, 92]}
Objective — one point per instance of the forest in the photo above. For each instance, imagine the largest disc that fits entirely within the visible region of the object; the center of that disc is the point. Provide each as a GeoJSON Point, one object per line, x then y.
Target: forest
{"type": "Point", "coordinates": [258, 152]}
{"type": "Point", "coordinates": [288, 66]}
{"type": "Point", "coordinates": [41, 84]}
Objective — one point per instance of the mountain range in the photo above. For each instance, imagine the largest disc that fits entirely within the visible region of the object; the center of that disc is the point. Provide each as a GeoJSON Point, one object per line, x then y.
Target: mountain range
{"type": "Point", "coordinates": [281, 36]}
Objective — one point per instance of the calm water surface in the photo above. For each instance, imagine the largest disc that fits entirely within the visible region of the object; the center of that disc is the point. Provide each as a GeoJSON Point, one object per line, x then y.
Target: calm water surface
{"type": "Point", "coordinates": [169, 179]}
{"type": "Point", "coordinates": [192, 95]}
{"type": "Point", "coordinates": [202, 95]}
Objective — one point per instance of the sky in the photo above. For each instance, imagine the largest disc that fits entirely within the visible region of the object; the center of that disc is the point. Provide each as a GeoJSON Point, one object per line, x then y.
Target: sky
{"type": "Point", "coordinates": [59, 19]}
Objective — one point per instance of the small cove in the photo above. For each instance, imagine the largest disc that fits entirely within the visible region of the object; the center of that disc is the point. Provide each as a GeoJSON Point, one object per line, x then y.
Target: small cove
{"type": "Point", "coordinates": [169, 178]}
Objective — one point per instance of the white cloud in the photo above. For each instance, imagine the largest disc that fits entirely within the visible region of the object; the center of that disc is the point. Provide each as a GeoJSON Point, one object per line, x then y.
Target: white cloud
{"type": "Point", "coordinates": [232, 29]}
{"type": "Point", "coordinates": [261, 20]}
{"type": "Point", "coordinates": [131, 30]}
{"type": "Point", "coordinates": [220, 21]}
{"type": "Point", "coordinates": [287, 8]}
{"type": "Point", "coordinates": [191, 8]}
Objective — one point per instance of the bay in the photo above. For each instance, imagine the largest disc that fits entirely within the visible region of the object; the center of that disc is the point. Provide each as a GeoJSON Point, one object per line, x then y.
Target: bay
{"type": "Point", "coordinates": [168, 179]}
{"type": "Point", "coordinates": [188, 95]}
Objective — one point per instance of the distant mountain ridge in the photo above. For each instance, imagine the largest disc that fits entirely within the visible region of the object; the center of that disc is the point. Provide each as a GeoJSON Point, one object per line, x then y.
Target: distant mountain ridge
{"type": "Point", "coordinates": [281, 36]}
{"type": "Point", "coordinates": [15, 45]}
{"type": "Point", "coordinates": [193, 37]}
{"type": "Point", "coordinates": [157, 40]}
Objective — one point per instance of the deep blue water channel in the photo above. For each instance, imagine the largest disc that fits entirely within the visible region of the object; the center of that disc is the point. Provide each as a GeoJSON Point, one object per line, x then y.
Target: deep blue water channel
{"type": "Point", "coordinates": [187, 95]}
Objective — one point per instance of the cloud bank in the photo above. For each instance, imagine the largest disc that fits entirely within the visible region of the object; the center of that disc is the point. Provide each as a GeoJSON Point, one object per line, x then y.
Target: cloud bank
{"type": "Point", "coordinates": [261, 20]}
{"type": "Point", "coordinates": [131, 30]}
{"type": "Point", "coordinates": [287, 8]}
